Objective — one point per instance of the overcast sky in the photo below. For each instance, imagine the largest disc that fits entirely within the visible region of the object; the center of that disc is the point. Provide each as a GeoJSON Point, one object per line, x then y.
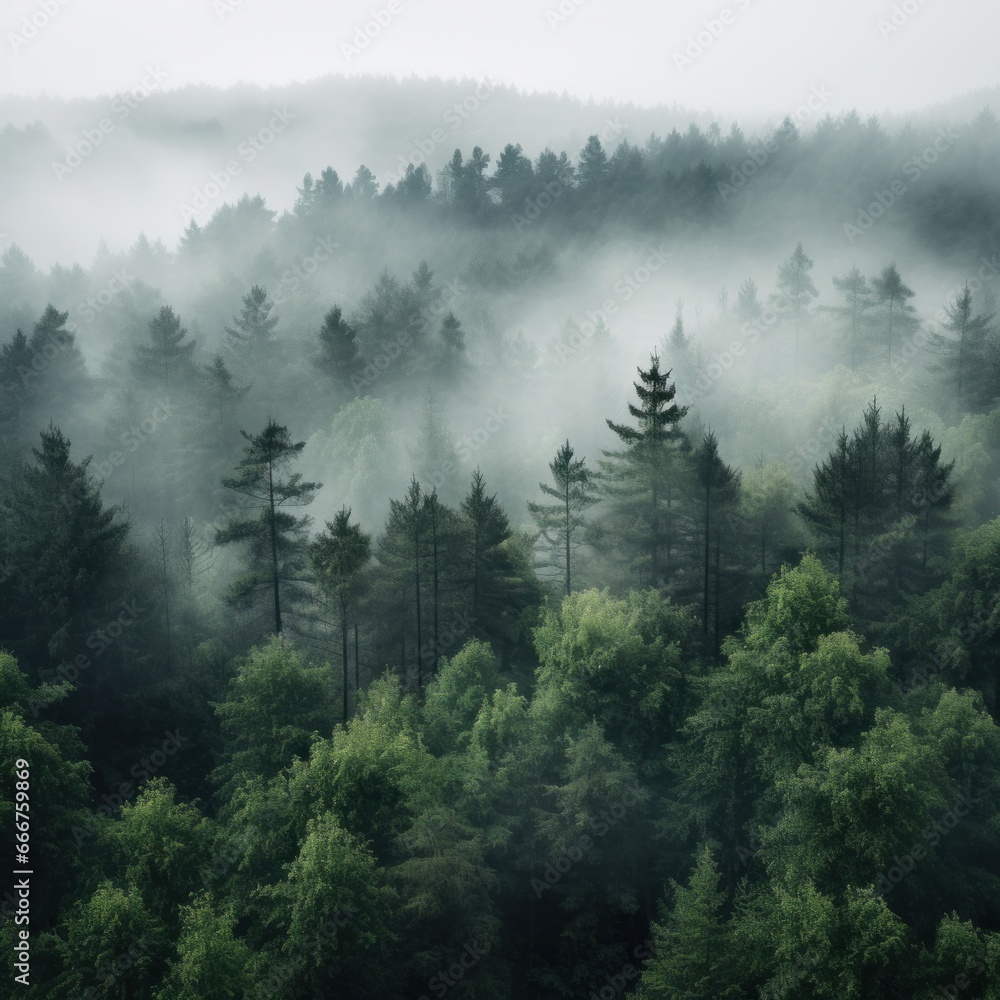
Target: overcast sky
{"type": "Point", "coordinates": [762, 54]}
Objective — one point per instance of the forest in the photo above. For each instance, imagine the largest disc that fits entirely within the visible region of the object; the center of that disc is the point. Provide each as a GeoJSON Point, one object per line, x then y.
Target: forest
{"type": "Point", "coordinates": [568, 575]}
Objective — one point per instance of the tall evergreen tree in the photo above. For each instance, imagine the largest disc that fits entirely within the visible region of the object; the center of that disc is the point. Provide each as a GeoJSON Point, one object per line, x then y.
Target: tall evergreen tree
{"type": "Point", "coordinates": [274, 539]}
{"type": "Point", "coordinates": [642, 482]}
{"type": "Point", "coordinates": [717, 488]}
{"type": "Point", "coordinates": [402, 549]}
{"type": "Point", "coordinates": [251, 337]}
{"type": "Point", "coordinates": [893, 296]}
{"type": "Point", "coordinates": [966, 355]}
{"type": "Point", "coordinates": [560, 523]}
{"type": "Point", "coordinates": [858, 299]}
{"type": "Point", "coordinates": [338, 556]}
{"type": "Point", "coordinates": [339, 357]}
{"type": "Point", "coordinates": [167, 358]}
{"type": "Point", "coordinates": [487, 529]}
{"type": "Point", "coordinates": [64, 552]}
{"type": "Point", "coordinates": [795, 292]}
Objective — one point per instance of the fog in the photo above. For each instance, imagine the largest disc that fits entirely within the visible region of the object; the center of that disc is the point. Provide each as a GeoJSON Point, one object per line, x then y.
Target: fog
{"type": "Point", "coordinates": [555, 527]}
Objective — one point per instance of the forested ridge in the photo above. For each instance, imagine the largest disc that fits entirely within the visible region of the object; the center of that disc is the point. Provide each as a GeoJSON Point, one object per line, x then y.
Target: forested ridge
{"type": "Point", "coordinates": [373, 631]}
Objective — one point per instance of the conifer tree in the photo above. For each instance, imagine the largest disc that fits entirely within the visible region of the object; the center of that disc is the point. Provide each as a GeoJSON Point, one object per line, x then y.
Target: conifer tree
{"type": "Point", "coordinates": [251, 336]}
{"type": "Point", "coordinates": [338, 556]}
{"type": "Point", "coordinates": [339, 357]}
{"type": "Point", "coordinates": [966, 357]}
{"type": "Point", "coordinates": [795, 292]}
{"type": "Point", "coordinates": [402, 548]}
{"type": "Point", "coordinates": [167, 358]}
{"type": "Point", "coordinates": [488, 528]}
{"type": "Point", "coordinates": [642, 482]}
{"type": "Point", "coordinates": [893, 296]}
{"type": "Point", "coordinates": [559, 523]}
{"type": "Point", "coordinates": [274, 539]}
{"type": "Point", "coordinates": [858, 299]}
{"type": "Point", "coordinates": [717, 487]}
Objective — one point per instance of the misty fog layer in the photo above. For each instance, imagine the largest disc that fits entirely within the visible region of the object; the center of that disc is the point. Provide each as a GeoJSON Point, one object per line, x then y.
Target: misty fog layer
{"type": "Point", "coordinates": [553, 542]}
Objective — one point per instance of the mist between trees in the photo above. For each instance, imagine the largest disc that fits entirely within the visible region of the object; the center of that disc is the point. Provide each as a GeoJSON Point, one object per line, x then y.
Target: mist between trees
{"type": "Point", "coordinates": [498, 640]}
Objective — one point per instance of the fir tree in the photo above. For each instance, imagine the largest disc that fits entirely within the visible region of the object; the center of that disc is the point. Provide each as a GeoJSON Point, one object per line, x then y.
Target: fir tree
{"type": "Point", "coordinates": [642, 482]}
{"type": "Point", "coordinates": [167, 357]}
{"type": "Point", "coordinates": [560, 523]}
{"type": "Point", "coordinates": [339, 357]}
{"type": "Point", "coordinates": [273, 538]}
{"type": "Point", "coordinates": [338, 556]}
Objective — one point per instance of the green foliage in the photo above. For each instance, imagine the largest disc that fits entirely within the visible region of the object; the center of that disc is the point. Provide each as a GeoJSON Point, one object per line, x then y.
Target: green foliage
{"type": "Point", "coordinates": [616, 660]}
{"type": "Point", "coordinates": [276, 706]}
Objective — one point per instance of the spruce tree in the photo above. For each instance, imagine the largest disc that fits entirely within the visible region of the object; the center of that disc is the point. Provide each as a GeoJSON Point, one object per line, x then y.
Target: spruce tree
{"type": "Point", "coordinates": [338, 556]}
{"type": "Point", "coordinates": [858, 299]}
{"type": "Point", "coordinates": [643, 481]}
{"type": "Point", "coordinates": [273, 538]}
{"type": "Point", "coordinates": [251, 337]}
{"type": "Point", "coordinates": [559, 523]}
{"type": "Point", "coordinates": [717, 488]}
{"type": "Point", "coordinates": [167, 358]}
{"type": "Point", "coordinates": [402, 550]}
{"type": "Point", "coordinates": [339, 357]}
{"type": "Point", "coordinates": [893, 296]}
{"type": "Point", "coordinates": [795, 292]}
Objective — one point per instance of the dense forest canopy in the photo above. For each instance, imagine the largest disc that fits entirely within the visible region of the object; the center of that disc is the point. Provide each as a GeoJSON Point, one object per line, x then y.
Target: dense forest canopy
{"type": "Point", "coordinates": [560, 572]}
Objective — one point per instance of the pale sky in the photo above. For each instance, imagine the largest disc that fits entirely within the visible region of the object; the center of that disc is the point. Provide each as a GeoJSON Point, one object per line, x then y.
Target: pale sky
{"type": "Point", "coordinates": [763, 54]}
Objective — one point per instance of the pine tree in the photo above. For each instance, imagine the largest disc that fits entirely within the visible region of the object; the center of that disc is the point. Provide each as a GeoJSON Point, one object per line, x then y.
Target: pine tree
{"type": "Point", "coordinates": [642, 482]}
{"type": "Point", "coordinates": [338, 556]}
{"type": "Point", "coordinates": [877, 500]}
{"type": "Point", "coordinates": [560, 523]}
{"type": "Point", "coordinates": [167, 358]}
{"type": "Point", "coordinates": [488, 529]}
{"type": "Point", "coordinates": [795, 292]}
{"type": "Point", "coordinates": [339, 358]}
{"type": "Point", "coordinates": [893, 296]}
{"type": "Point", "coordinates": [748, 306]}
{"type": "Point", "coordinates": [251, 336]}
{"type": "Point", "coordinates": [453, 361]}
{"type": "Point", "coordinates": [64, 552]}
{"type": "Point", "coordinates": [693, 956]}
{"type": "Point", "coordinates": [402, 550]}
{"type": "Point", "coordinates": [858, 299]}
{"type": "Point", "coordinates": [966, 353]}
{"type": "Point", "coordinates": [718, 488]}
{"type": "Point", "coordinates": [273, 538]}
